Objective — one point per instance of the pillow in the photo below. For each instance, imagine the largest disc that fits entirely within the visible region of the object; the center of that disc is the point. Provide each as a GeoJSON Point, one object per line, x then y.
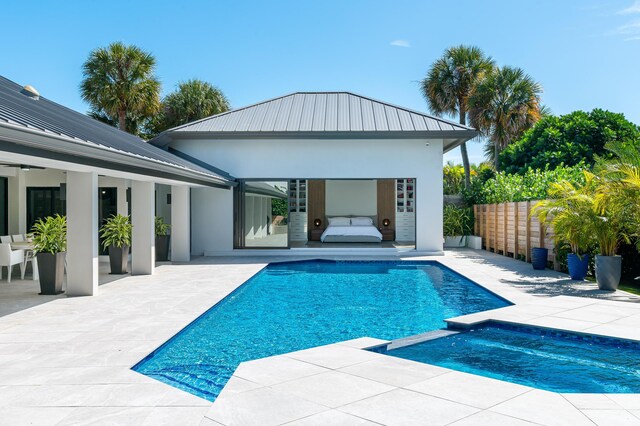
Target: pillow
{"type": "Point", "coordinates": [339, 221]}
{"type": "Point", "coordinates": [361, 221]}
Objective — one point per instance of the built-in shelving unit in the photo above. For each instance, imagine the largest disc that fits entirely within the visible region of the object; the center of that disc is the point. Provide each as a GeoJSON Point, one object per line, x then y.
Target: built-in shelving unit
{"type": "Point", "coordinates": [298, 210]}
{"type": "Point", "coordinates": [405, 210]}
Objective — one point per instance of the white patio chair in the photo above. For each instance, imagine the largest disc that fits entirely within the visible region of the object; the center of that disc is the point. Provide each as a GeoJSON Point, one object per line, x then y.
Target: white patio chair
{"type": "Point", "coordinates": [18, 238]}
{"type": "Point", "coordinates": [9, 258]}
{"type": "Point", "coordinates": [5, 239]}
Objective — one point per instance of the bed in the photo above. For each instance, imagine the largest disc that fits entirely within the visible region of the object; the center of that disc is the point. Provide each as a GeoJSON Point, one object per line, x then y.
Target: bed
{"type": "Point", "coordinates": [356, 229]}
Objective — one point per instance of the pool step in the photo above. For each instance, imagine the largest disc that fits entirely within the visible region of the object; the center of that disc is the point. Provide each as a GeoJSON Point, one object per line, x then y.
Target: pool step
{"type": "Point", "coordinates": [419, 338]}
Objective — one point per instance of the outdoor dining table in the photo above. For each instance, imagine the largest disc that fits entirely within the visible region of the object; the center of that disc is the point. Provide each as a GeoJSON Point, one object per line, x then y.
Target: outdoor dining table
{"type": "Point", "coordinates": [22, 245]}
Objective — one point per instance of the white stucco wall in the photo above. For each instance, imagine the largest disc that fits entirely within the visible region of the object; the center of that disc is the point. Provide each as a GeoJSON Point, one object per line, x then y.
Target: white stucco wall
{"type": "Point", "coordinates": [211, 220]}
{"type": "Point", "coordinates": [347, 197]}
{"type": "Point", "coordinates": [272, 159]}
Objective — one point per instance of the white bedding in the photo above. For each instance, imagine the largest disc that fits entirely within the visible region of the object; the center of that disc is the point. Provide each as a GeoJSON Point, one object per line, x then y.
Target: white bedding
{"type": "Point", "coordinates": [348, 231]}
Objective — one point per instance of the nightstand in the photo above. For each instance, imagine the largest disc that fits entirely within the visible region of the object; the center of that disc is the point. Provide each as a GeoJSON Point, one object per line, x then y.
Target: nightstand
{"type": "Point", "coordinates": [388, 234]}
{"type": "Point", "coordinates": [316, 233]}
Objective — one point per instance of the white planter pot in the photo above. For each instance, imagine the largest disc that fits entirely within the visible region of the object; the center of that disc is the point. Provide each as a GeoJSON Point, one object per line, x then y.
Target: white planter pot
{"type": "Point", "coordinates": [455, 241]}
{"type": "Point", "coordinates": [474, 242]}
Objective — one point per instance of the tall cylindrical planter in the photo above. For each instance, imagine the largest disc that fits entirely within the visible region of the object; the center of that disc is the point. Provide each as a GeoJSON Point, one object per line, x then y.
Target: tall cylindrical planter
{"type": "Point", "coordinates": [118, 259]}
{"type": "Point", "coordinates": [51, 272]}
{"type": "Point", "coordinates": [162, 248]}
{"type": "Point", "coordinates": [539, 258]}
{"type": "Point", "coordinates": [578, 266]}
{"type": "Point", "coordinates": [608, 272]}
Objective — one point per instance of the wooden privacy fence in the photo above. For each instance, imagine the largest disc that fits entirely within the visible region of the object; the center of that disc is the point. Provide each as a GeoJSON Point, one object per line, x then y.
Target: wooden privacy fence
{"type": "Point", "coordinates": [507, 229]}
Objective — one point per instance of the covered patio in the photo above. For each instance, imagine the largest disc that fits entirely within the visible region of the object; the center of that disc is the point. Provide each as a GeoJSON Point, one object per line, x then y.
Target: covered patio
{"type": "Point", "coordinates": [45, 145]}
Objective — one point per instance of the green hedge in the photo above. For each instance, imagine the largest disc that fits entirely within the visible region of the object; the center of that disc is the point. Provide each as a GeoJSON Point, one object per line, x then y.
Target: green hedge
{"type": "Point", "coordinates": [532, 185]}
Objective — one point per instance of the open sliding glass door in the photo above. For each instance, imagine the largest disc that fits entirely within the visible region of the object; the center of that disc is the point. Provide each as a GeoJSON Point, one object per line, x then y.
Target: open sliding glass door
{"type": "Point", "coordinates": [261, 213]}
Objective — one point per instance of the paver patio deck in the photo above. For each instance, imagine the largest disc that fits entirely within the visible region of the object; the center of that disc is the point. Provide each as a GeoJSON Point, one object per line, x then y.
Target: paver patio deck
{"type": "Point", "coordinates": [67, 361]}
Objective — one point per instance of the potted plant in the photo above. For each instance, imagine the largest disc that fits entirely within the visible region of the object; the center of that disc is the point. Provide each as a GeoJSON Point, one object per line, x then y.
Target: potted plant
{"type": "Point", "coordinates": [456, 225]}
{"type": "Point", "coordinates": [50, 245]}
{"type": "Point", "coordinates": [568, 213]}
{"type": "Point", "coordinates": [116, 234]}
{"type": "Point", "coordinates": [162, 239]}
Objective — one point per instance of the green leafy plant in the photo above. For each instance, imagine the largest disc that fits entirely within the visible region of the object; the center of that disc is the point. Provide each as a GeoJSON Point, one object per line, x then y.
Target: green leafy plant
{"type": "Point", "coordinates": [569, 212]}
{"type": "Point", "coordinates": [568, 139]}
{"type": "Point", "coordinates": [116, 231]}
{"type": "Point", "coordinates": [532, 185]}
{"type": "Point", "coordinates": [600, 217]}
{"type": "Point", "coordinates": [50, 234]}
{"type": "Point", "coordinates": [457, 221]}
{"type": "Point", "coordinates": [161, 227]}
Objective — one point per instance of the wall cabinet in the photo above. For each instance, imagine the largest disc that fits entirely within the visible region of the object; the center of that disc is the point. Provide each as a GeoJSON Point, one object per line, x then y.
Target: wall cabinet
{"type": "Point", "coordinates": [297, 210]}
{"type": "Point", "coordinates": [405, 210]}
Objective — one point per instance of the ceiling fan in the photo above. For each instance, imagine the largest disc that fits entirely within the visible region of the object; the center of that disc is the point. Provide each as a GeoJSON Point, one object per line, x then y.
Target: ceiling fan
{"type": "Point", "coordinates": [25, 167]}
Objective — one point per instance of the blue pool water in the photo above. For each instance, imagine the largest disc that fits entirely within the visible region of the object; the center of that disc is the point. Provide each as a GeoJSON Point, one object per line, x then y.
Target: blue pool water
{"type": "Point", "coordinates": [550, 360]}
{"type": "Point", "coordinates": [298, 305]}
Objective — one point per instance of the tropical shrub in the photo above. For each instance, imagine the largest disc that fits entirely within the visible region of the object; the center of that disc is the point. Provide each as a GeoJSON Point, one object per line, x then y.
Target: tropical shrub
{"type": "Point", "coordinates": [116, 231]}
{"type": "Point", "coordinates": [453, 178]}
{"type": "Point", "coordinates": [532, 185]}
{"type": "Point", "coordinates": [567, 140]}
{"type": "Point", "coordinates": [161, 228]}
{"type": "Point", "coordinates": [569, 211]}
{"type": "Point", "coordinates": [50, 234]}
{"type": "Point", "coordinates": [457, 221]}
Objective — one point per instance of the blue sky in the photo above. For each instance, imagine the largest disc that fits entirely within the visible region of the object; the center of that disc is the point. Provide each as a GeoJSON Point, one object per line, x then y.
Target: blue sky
{"type": "Point", "coordinates": [585, 53]}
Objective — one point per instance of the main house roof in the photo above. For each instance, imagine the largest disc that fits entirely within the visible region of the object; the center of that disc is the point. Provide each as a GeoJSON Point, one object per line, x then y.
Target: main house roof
{"type": "Point", "coordinates": [57, 132]}
{"type": "Point", "coordinates": [321, 114]}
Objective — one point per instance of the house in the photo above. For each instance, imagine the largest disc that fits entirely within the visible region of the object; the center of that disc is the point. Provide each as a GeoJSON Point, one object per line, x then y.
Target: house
{"type": "Point", "coordinates": [55, 160]}
{"type": "Point", "coordinates": [270, 176]}
{"type": "Point", "coordinates": [334, 154]}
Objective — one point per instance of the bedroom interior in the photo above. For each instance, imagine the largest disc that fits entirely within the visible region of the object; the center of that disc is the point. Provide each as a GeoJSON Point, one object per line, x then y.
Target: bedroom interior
{"type": "Point", "coordinates": [316, 213]}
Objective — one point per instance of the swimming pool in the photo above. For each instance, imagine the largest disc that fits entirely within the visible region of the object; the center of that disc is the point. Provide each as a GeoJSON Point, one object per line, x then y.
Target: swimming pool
{"type": "Point", "coordinates": [546, 359]}
{"type": "Point", "coordinates": [297, 305]}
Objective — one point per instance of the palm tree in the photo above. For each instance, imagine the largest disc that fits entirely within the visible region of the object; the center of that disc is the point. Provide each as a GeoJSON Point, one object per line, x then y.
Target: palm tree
{"type": "Point", "coordinates": [622, 183]}
{"type": "Point", "coordinates": [504, 105]}
{"type": "Point", "coordinates": [450, 82]}
{"type": "Point", "coordinates": [119, 81]}
{"type": "Point", "coordinates": [194, 99]}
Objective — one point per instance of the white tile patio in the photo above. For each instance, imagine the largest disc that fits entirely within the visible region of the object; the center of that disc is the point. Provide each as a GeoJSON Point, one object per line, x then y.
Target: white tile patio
{"type": "Point", "coordinates": [68, 360]}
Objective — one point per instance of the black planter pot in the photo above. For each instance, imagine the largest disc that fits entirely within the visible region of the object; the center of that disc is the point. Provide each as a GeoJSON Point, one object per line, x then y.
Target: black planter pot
{"type": "Point", "coordinates": [162, 248]}
{"type": "Point", "coordinates": [539, 258]}
{"type": "Point", "coordinates": [608, 272]}
{"type": "Point", "coordinates": [118, 259]}
{"type": "Point", "coordinates": [578, 267]}
{"type": "Point", "coordinates": [51, 271]}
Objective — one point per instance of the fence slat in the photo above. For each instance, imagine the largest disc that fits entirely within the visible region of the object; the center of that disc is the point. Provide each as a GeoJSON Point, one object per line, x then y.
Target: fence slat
{"type": "Point", "coordinates": [507, 226]}
{"type": "Point", "coordinates": [516, 227]}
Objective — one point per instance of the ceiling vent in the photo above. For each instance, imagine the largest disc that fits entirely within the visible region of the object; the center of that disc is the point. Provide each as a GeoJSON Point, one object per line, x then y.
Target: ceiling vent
{"type": "Point", "coordinates": [30, 91]}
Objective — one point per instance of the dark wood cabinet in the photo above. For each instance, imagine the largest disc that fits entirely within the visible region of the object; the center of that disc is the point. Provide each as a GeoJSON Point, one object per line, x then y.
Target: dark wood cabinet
{"type": "Point", "coordinates": [388, 234]}
{"type": "Point", "coordinates": [316, 233]}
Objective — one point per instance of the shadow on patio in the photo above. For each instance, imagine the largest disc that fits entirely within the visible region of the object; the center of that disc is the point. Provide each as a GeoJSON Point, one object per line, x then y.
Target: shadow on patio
{"type": "Point", "coordinates": [543, 283]}
{"type": "Point", "coordinates": [23, 294]}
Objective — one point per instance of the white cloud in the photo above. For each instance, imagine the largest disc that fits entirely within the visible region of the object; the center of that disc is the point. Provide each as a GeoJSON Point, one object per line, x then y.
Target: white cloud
{"type": "Point", "coordinates": [402, 43]}
{"type": "Point", "coordinates": [631, 29]}
{"type": "Point", "coordinates": [631, 10]}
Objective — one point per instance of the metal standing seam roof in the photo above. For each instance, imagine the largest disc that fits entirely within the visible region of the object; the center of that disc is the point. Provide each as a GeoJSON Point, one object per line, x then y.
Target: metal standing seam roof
{"type": "Point", "coordinates": [320, 112]}
{"type": "Point", "coordinates": [51, 118]}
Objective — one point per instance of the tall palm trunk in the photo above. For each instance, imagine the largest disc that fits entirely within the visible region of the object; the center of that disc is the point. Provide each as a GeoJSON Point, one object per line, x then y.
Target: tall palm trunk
{"type": "Point", "coordinates": [122, 120]}
{"type": "Point", "coordinates": [496, 155]}
{"type": "Point", "coordinates": [463, 150]}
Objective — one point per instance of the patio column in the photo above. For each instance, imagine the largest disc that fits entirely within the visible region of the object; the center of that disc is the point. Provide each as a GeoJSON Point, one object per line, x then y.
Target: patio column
{"type": "Point", "coordinates": [143, 235]}
{"type": "Point", "coordinates": [17, 203]}
{"type": "Point", "coordinates": [82, 233]}
{"type": "Point", "coordinates": [180, 224]}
